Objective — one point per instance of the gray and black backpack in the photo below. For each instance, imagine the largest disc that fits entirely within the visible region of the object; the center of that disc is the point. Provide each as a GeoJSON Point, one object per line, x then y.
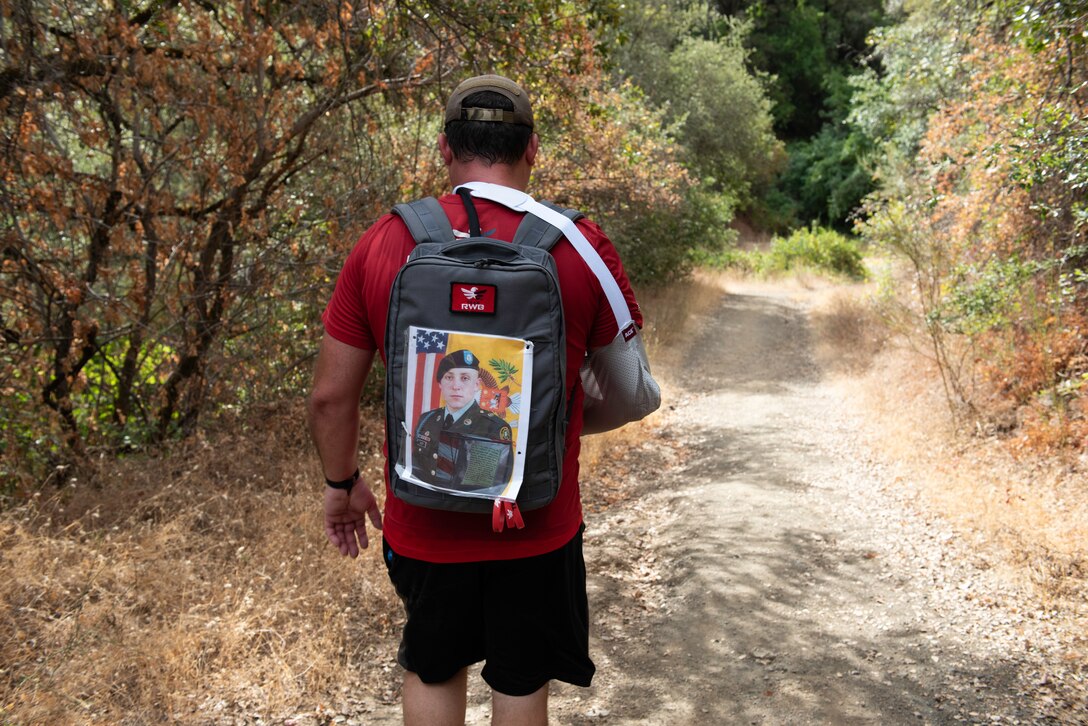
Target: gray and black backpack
{"type": "Point", "coordinates": [476, 367]}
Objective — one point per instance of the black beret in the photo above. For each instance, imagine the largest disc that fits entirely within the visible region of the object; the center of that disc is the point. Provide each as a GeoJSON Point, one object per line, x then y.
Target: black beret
{"type": "Point", "coordinates": [457, 359]}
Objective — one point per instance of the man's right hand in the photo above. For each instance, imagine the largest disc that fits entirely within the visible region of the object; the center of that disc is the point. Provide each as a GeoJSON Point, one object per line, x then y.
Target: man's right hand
{"type": "Point", "coordinates": [345, 517]}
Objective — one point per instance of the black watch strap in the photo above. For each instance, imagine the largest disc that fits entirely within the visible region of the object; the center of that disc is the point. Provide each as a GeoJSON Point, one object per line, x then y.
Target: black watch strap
{"type": "Point", "coordinates": [345, 484]}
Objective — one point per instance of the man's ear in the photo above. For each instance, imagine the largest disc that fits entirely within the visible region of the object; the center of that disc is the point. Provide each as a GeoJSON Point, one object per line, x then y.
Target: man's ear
{"type": "Point", "coordinates": [531, 149]}
{"type": "Point", "coordinates": [444, 148]}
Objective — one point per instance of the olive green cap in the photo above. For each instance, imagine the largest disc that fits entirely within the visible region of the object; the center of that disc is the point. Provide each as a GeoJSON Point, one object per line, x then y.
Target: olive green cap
{"type": "Point", "coordinates": [522, 113]}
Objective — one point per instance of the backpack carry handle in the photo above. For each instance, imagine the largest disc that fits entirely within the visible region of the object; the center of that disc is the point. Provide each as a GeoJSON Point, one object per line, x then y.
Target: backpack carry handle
{"type": "Point", "coordinates": [482, 247]}
{"type": "Point", "coordinates": [470, 209]}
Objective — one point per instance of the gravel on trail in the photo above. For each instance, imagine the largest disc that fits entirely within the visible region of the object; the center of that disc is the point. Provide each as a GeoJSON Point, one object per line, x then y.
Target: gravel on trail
{"type": "Point", "coordinates": [764, 567]}
{"type": "Point", "coordinates": [780, 574]}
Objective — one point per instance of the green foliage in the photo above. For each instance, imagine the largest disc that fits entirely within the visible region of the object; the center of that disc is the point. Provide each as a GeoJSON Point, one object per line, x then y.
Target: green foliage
{"type": "Point", "coordinates": [507, 371]}
{"type": "Point", "coordinates": [664, 246]}
{"type": "Point", "coordinates": [621, 166]}
{"type": "Point", "coordinates": [815, 249]}
{"type": "Point", "coordinates": [807, 47]}
{"type": "Point", "coordinates": [1046, 25]}
{"type": "Point", "coordinates": [691, 61]}
{"type": "Point", "coordinates": [919, 63]}
{"type": "Point", "coordinates": [922, 62]}
{"type": "Point", "coordinates": [94, 400]}
{"type": "Point", "coordinates": [788, 43]}
{"type": "Point", "coordinates": [807, 50]}
{"type": "Point", "coordinates": [825, 180]}
{"type": "Point", "coordinates": [820, 249]}
{"type": "Point", "coordinates": [984, 297]}
{"type": "Point", "coordinates": [1061, 131]}
{"type": "Point", "coordinates": [30, 447]}
{"type": "Point", "coordinates": [724, 116]}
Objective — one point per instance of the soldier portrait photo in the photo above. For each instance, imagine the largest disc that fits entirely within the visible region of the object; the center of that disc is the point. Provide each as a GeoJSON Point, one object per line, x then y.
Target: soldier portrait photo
{"type": "Point", "coordinates": [459, 445]}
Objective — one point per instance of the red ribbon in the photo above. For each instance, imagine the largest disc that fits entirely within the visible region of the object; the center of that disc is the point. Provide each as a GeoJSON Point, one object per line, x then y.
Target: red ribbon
{"type": "Point", "coordinates": [506, 514]}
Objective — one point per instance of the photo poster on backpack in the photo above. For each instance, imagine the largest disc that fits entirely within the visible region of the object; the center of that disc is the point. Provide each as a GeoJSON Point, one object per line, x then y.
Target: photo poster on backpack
{"type": "Point", "coordinates": [465, 397]}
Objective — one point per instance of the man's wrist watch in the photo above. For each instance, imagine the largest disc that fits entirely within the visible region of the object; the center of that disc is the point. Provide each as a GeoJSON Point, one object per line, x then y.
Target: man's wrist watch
{"type": "Point", "coordinates": [344, 484]}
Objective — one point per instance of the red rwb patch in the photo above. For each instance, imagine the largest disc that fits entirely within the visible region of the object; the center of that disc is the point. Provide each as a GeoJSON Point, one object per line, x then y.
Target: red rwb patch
{"type": "Point", "coordinates": [468, 297]}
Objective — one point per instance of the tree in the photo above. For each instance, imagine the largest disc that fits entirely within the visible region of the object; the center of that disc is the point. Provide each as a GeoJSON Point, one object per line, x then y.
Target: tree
{"type": "Point", "coordinates": [616, 159]}
{"type": "Point", "coordinates": [808, 48]}
{"type": "Point", "coordinates": [981, 134]}
{"type": "Point", "coordinates": [166, 189]}
{"type": "Point", "coordinates": [725, 117]}
{"type": "Point", "coordinates": [691, 61]}
{"type": "Point", "coordinates": [922, 64]}
{"type": "Point", "coordinates": [182, 180]}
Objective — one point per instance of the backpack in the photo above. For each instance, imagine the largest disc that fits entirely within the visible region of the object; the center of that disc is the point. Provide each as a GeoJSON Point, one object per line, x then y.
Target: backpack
{"type": "Point", "coordinates": [476, 323]}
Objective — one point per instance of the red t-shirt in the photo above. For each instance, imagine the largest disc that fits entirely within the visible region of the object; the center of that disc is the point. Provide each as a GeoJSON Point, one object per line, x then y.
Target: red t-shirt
{"type": "Point", "coordinates": [356, 316]}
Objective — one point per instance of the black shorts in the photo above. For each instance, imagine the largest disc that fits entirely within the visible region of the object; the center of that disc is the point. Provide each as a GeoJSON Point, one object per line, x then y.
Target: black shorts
{"type": "Point", "coordinates": [528, 619]}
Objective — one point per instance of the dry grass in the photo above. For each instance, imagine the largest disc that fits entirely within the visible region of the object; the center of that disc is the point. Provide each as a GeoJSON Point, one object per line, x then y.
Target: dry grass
{"type": "Point", "coordinates": [673, 313]}
{"type": "Point", "coordinates": [1025, 510]}
{"type": "Point", "coordinates": [196, 585]}
{"type": "Point", "coordinates": [849, 332]}
{"type": "Point", "coordinates": [1028, 506]}
{"type": "Point", "coordinates": [168, 590]}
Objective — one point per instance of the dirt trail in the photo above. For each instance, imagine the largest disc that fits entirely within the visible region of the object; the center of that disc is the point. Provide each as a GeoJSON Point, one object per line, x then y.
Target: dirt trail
{"type": "Point", "coordinates": [769, 573]}
{"type": "Point", "coordinates": [774, 577]}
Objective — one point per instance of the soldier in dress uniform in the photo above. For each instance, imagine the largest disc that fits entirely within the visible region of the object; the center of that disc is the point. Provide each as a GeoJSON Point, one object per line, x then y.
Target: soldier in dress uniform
{"type": "Point", "coordinates": [450, 439]}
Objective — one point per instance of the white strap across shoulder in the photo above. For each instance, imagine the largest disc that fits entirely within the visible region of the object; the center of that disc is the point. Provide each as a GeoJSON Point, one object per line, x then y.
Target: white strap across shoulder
{"type": "Point", "coordinates": [522, 202]}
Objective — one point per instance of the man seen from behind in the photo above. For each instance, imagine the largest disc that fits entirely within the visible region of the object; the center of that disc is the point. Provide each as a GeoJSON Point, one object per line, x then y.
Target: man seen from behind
{"type": "Point", "coordinates": [513, 600]}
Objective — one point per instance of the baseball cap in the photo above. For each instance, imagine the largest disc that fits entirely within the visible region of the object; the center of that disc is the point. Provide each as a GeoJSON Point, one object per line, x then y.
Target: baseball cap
{"type": "Point", "coordinates": [522, 113]}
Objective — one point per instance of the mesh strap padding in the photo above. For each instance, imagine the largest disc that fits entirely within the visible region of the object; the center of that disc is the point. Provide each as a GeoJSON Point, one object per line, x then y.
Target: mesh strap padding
{"type": "Point", "coordinates": [425, 220]}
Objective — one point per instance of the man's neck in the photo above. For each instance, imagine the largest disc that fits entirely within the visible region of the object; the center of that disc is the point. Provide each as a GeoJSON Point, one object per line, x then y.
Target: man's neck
{"type": "Point", "coordinates": [514, 177]}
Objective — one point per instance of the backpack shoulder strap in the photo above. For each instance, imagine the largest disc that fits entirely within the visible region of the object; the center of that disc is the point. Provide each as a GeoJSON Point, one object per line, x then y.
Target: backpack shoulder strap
{"type": "Point", "coordinates": [425, 220]}
{"type": "Point", "coordinates": [535, 232]}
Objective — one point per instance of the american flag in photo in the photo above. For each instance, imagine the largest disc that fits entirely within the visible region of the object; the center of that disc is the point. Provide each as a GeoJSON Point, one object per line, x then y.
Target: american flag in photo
{"type": "Point", "coordinates": [430, 349]}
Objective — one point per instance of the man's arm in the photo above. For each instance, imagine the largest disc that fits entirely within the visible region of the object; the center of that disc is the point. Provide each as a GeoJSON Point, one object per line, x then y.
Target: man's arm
{"type": "Point", "coordinates": [333, 409]}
